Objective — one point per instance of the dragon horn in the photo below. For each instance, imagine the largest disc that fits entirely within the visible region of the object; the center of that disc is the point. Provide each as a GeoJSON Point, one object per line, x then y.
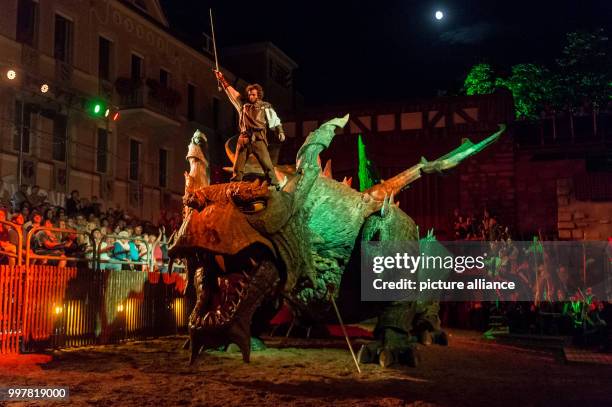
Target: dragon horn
{"type": "Point", "coordinates": [317, 141]}
{"type": "Point", "coordinates": [450, 160]}
{"type": "Point", "coordinates": [327, 171]}
{"type": "Point", "coordinates": [229, 152]}
{"type": "Point", "coordinates": [384, 210]}
{"type": "Point", "coordinates": [395, 184]}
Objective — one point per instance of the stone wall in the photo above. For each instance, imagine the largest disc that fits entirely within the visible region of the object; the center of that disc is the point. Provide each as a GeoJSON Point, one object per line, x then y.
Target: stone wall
{"type": "Point", "coordinates": [536, 193]}
{"type": "Point", "coordinates": [488, 182]}
{"type": "Point", "coordinates": [581, 220]}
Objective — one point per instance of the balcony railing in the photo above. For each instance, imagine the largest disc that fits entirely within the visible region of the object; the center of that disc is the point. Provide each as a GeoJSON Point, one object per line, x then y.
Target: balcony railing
{"type": "Point", "coordinates": [151, 96]}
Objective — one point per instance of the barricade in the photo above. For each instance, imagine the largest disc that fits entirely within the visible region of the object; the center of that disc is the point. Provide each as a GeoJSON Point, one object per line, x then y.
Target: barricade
{"type": "Point", "coordinates": [9, 250]}
{"type": "Point", "coordinates": [11, 298]}
{"type": "Point", "coordinates": [47, 306]}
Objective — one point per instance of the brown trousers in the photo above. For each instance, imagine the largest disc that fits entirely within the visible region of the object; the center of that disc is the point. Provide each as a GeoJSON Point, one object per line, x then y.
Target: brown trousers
{"type": "Point", "coordinates": [253, 145]}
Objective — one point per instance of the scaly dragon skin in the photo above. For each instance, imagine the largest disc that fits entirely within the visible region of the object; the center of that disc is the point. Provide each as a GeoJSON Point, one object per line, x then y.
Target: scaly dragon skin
{"type": "Point", "coordinates": [248, 247]}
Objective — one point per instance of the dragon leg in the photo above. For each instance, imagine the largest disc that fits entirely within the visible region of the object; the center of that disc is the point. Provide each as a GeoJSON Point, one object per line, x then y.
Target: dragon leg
{"type": "Point", "coordinates": [393, 341]}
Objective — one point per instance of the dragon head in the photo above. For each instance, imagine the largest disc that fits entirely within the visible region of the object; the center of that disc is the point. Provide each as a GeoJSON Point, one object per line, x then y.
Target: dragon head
{"type": "Point", "coordinates": [242, 247]}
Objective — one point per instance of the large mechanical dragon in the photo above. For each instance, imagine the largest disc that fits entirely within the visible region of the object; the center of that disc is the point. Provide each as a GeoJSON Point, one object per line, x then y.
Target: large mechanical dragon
{"type": "Point", "coordinates": [249, 247]}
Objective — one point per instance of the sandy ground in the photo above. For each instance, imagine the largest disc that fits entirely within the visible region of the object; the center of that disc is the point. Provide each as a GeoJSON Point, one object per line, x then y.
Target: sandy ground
{"type": "Point", "coordinates": [471, 371]}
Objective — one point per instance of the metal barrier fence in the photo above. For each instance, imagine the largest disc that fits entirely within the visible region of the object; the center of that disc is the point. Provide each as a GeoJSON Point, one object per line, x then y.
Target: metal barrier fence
{"type": "Point", "coordinates": [44, 306]}
{"type": "Point", "coordinates": [11, 300]}
{"type": "Point", "coordinates": [33, 254]}
{"type": "Point", "coordinates": [8, 249]}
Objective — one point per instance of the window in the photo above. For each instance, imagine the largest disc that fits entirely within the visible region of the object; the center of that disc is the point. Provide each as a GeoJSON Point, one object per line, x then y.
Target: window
{"type": "Point", "coordinates": [60, 123]}
{"type": "Point", "coordinates": [136, 72]}
{"type": "Point", "coordinates": [163, 167]}
{"type": "Point", "coordinates": [215, 112]}
{"type": "Point", "coordinates": [134, 160]}
{"type": "Point", "coordinates": [102, 150]}
{"type": "Point", "coordinates": [62, 48]}
{"type": "Point", "coordinates": [191, 90]}
{"type": "Point", "coordinates": [22, 127]}
{"type": "Point", "coordinates": [27, 14]}
{"type": "Point", "coordinates": [164, 78]}
{"type": "Point", "coordinates": [104, 58]}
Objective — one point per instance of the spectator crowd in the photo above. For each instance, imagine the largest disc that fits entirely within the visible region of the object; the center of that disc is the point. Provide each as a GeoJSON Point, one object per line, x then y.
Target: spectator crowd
{"type": "Point", "coordinates": [74, 232]}
{"type": "Point", "coordinates": [563, 302]}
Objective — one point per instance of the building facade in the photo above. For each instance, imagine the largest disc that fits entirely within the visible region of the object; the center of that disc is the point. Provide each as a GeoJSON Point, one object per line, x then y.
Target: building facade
{"type": "Point", "coordinates": [71, 61]}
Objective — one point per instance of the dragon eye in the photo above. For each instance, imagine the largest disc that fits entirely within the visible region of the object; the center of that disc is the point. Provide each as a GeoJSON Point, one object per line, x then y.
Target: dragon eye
{"type": "Point", "coordinates": [253, 206]}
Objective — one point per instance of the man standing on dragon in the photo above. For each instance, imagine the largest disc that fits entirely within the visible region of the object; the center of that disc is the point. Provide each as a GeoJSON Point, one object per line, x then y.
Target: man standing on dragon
{"type": "Point", "coordinates": [255, 118]}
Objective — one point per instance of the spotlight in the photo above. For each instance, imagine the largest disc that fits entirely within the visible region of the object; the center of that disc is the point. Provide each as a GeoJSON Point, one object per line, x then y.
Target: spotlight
{"type": "Point", "coordinates": [120, 308]}
{"type": "Point", "coordinates": [439, 15]}
{"type": "Point", "coordinates": [57, 310]}
{"type": "Point", "coordinates": [44, 88]}
{"type": "Point", "coordinates": [11, 74]}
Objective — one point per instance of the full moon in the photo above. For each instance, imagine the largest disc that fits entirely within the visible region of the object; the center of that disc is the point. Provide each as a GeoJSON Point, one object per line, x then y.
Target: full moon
{"type": "Point", "coordinates": [439, 15]}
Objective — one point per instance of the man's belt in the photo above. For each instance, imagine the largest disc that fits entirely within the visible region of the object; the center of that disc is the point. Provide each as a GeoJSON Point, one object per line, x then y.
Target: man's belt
{"type": "Point", "coordinates": [252, 132]}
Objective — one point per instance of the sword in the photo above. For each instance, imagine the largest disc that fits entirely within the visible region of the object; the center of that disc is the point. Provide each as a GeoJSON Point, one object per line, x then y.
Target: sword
{"type": "Point", "coordinates": [212, 29]}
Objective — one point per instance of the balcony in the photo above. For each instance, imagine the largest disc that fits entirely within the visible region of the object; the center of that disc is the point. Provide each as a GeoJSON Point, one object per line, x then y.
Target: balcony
{"type": "Point", "coordinates": [150, 103]}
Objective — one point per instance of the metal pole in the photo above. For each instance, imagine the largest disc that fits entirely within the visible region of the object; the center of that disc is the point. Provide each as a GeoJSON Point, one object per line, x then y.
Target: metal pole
{"type": "Point", "coordinates": [67, 146]}
{"type": "Point", "coordinates": [20, 158]}
{"type": "Point", "coordinates": [348, 342]}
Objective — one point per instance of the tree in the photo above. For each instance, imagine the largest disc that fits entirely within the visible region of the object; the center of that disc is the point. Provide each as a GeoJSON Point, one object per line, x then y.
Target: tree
{"type": "Point", "coordinates": [531, 87]}
{"type": "Point", "coordinates": [480, 80]}
{"type": "Point", "coordinates": [585, 70]}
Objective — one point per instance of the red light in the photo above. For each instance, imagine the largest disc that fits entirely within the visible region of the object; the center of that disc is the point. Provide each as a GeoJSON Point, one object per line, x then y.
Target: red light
{"type": "Point", "coordinates": [116, 116]}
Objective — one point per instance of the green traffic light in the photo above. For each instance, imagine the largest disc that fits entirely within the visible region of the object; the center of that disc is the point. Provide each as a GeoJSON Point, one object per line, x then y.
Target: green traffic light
{"type": "Point", "coordinates": [97, 108]}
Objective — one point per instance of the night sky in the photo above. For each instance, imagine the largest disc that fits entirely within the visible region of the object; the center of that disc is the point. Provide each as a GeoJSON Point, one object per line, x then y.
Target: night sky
{"type": "Point", "coordinates": [358, 51]}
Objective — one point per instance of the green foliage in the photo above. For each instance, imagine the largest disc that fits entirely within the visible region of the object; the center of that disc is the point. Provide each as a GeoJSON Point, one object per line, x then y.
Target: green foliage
{"type": "Point", "coordinates": [585, 69]}
{"type": "Point", "coordinates": [531, 87]}
{"type": "Point", "coordinates": [368, 177]}
{"type": "Point", "coordinates": [581, 77]}
{"type": "Point", "coordinates": [480, 80]}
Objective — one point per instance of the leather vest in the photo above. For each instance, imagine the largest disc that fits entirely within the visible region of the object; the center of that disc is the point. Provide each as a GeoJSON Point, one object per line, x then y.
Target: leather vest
{"type": "Point", "coordinates": [253, 116]}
